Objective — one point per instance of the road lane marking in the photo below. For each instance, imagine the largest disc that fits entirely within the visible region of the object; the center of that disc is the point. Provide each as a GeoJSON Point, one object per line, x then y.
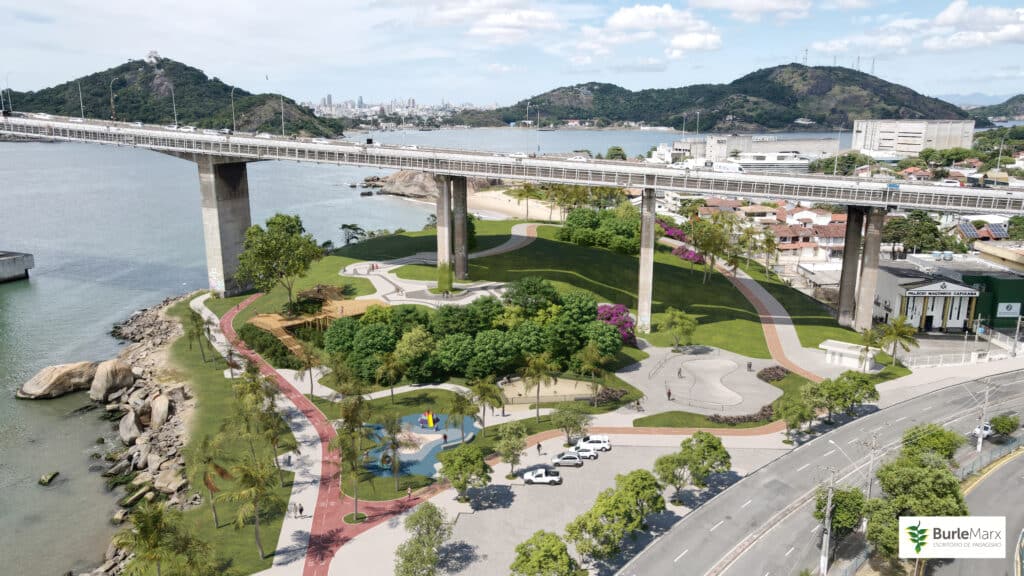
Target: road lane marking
{"type": "Point", "coordinates": [802, 467]}
{"type": "Point", "coordinates": [926, 408]}
{"type": "Point", "coordinates": [720, 522]}
{"type": "Point", "coordinates": [830, 452]}
{"type": "Point", "coordinates": [790, 551]}
{"type": "Point", "coordinates": [898, 419]}
{"type": "Point", "coordinates": [815, 529]}
{"type": "Point", "coordinates": [852, 441]}
{"type": "Point", "coordinates": [767, 573]}
{"type": "Point", "coordinates": [681, 555]}
{"type": "Point", "coordinates": [747, 503]}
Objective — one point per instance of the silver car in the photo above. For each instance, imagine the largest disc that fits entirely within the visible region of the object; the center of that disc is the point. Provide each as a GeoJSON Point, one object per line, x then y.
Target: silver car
{"type": "Point", "coordinates": [585, 452]}
{"type": "Point", "coordinates": [568, 459]}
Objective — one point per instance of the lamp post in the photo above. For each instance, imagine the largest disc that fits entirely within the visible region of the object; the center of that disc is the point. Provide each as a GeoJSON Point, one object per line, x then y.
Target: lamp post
{"type": "Point", "coordinates": [10, 99]}
{"type": "Point", "coordinates": [282, 113]}
{"type": "Point", "coordinates": [81, 104]}
{"type": "Point", "coordinates": [835, 162]}
{"type": "Point", "coordinates": [113, 112]}
{"type": "Point", "coordinates": [234, 127]}
{"type": "Point", "coordinates": [999, 161]}
{"type": "Point", "coordinates": [174, 106]}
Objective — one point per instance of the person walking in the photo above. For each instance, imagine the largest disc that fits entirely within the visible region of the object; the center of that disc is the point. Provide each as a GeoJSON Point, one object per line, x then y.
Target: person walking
{"type": "Point", "coordinates": [538, 448]}
{"type": "Point", "coordinates": [300, 510]}
{"type": "Point", "coordinates": [408, 492]}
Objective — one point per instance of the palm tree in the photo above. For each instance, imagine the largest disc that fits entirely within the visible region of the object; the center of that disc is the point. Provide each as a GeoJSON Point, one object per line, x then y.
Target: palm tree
{"type": "Point", "coordinates": [243, 423]}
{"type": "Point", "coordinates": [253, 389]}
{"type": "Point", "coordinates": [196, 555]}
{"type": "Point", "coordinates": [394, 441]}
{"type": "Point", "coordinates": [748, 241]}
{"type": "Point", "coordinates": [206, 464]}
{"type": "Point", "coordinates": [278, 433]}
{"type": "Point", "coordinates": [339, 371]}
{"type": "Point", "coordinates": [460, 406]}
{"type": "Point", "coordinates": [255, 490]}
{"type": "Point", "coordinates": [899, 332]}
{"type": "Point", "coordinates": [526, 192]}
{"type": "Point", "coordinates": [869, 338]}
{"type": "Point", "coordinates": [349, 442]}
{"type": "Point", "coordinates": [487, 394]}
{"type": "Point", "coordinates": [310, 360]}
{"type": "Point", "coordinates": [195, 329]}
{"type": "Point", "coordinates": [592, 362]}
{"type": "Point", "coordinates": [151, 536]}
{"type": "Point", "coordinates": [540, 369]}
{"type": "Point", "coordinates": [390, 372]}
{"type": "Point", "coordinates": [770, 247]}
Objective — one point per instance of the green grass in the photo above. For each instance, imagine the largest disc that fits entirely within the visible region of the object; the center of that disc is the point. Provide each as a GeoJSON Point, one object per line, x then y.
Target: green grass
{"type": "Point", "coordinates": [627, 356]}
{"type": "Point", "coordinates": [489, 233]}
{"type": "Point", "coordinates": [727, 320]}
{"type": "Point", "coordinates": [813, 321]}
{"type": "Point", "coordinates": [373, 488]}
{"type": "Point", "coordinates": [214, 399]}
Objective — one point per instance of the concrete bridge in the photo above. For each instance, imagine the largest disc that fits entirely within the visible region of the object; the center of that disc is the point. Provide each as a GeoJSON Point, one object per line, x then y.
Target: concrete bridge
{"type": "Point", "coordinates": [223, 183]}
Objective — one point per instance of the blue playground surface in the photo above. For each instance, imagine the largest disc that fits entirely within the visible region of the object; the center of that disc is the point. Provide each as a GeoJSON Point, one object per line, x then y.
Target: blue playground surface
{"type": "Point", "coordinates": [423, 460]}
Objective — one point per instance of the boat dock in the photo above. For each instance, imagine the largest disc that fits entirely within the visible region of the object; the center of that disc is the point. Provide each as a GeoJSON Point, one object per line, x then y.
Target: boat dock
{"type": "Point", "coordinates": [15, 265]}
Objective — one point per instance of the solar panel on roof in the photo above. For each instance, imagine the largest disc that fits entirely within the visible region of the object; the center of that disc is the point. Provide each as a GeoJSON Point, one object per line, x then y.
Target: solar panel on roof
{"type": "Point", "coordinates": [998, 230]}
{"type": "Point", "coordinates": [967, 229]}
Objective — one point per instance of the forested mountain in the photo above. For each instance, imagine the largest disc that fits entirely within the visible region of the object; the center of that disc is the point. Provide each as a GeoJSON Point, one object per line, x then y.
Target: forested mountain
{"type": "Point", "coordinates": [772, 98]}
{"type": "Point", "coordinates": [1012, 108]}
{"type": "Point", "coordinates": [142, 92]}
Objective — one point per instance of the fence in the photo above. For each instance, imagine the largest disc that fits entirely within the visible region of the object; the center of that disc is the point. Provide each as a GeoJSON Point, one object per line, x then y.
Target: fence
{"type": "Point", "coordinates": [850, 567]}
{"type": "Point", "coordinates": [1019, 566]}
{"type": "Point", "coordinates": [953, 359]}
{"type": "Point", "coordinates": [987, 457]}
{"type": "Point", "coordinates": [529, 399]}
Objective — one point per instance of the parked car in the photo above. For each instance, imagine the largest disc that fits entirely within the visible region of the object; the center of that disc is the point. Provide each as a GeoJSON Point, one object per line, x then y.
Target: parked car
{"type": "Point", "coordinates": [596, 442]}
{"type": "Point", "coordinates": [137, 124]}
{"type": "Point", "coordinates": [570, 458]}
{"type": "Point", "coordinates": [578, 159]}
{"type": "Point", "coordinates": [586, 453]}
{"type": "Point", "coordinates": [985, 430]}
{"type": "Point", "coordinates": [263, 135]}
{"type": "Point", "coordinates": [542, 476]}
{"type": "Point", "coordinates": [209, 132]}
{"type": "Point", "coordinates": [225, 131]}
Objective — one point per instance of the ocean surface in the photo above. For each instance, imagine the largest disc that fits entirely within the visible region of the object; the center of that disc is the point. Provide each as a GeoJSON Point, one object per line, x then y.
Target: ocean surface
{"type": "Point", "coordinates": [114, 230]}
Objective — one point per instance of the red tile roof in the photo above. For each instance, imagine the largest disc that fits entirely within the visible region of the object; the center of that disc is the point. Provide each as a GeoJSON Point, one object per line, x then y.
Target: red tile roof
{"type": "Point", "coordinates": [830, 230]}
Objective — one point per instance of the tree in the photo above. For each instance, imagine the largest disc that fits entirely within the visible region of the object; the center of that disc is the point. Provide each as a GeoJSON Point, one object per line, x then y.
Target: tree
{"type": "Point", "coordinates": [464, 467]}
{"type": "Point", "coordinates": [352, 232]}
{"type": "Point", "coordinates": [532, 294]}
{"type": "Point", "coordinates": [858, 387]}
{"type": "Point", "coordinates": [429, 529]}
{"type": "Point", "coordinates": [544, 554]}
{"type": "Point", "coordinates": [598, 532]}
{"type": "Point", "coordinates": [206, 460]}
{"type": "Point", "coordinates": [393, 439]}
{"type": "Point", "coordinates": [931, 438]}
{"type": "Point", "coordinates": [749, 241]}
{"type": "Point", "coordinates": [641, 489]}
{"type": "Point", "coordinates": [705, 456]}
{"type": "Point", "coordinates": [679, 324]}
{"type": "Point", "coordinates": [151, 537]}
{"type": "Point", "coordinates": [795, 410]}
{"type": "Point", "coordinates": [310, 359]}
{"type": "Point", "coordinates": [526, 192]}
{"type": "Point", "coordinates": [460, 406]}
{"type": "Point", "coordinates": [275, 430]}
{"type": "Point", "coordinates": [254, 491]}
{"type": "Point", "coordinates": [487, 394]}
{"type": "Point", "coordinates": [1005, 424]}
{"type": "Point", "coordinates": [389, 372]}
{"type": "Point", "coordinates": [616, 153]}
{"type": "Point", "coordinates": [195, 330]}
{"type": "Point", "coordinates": [673, 470]}
{"type": "Point", "coordinates": [511, 443]}
{"type": "Point", "coordinates": [770, 247]}
{"type": "Point", "coordinates": [899, 332]}
{"type": "Point", "coordinates": [540, 370]}
{"type": "Point", "coordinates": [1016, 227]}
{"type": "Point", "coordinates": [848, 505]}
{"type": "Point", "coordinates": [278, 255]}
{"type": "Point", "coordinates": [571, 419]}
{"type": "Point", "coordinates": [591, 361]}
{"type": "Point", "coordinates": [869, 338]}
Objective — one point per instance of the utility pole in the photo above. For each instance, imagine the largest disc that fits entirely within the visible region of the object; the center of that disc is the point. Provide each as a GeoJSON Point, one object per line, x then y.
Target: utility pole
{"type": "Point", "coordinates": [81, 104]}
{"type": "Point", "coordinates": [234, 126]}
{"type": "Point", "coordinates": [113, 112]}
{"type": "Point", "coordinates": [1016, 335]}
{"type": "Point", "coordinates": [873, 446]}
{"type": "Point", "coordinates": [823, 564]}
{"type": "Point", "coordinates": [698, 122]}
{"type": "Point", "coordinates": [282, 114]}
{"type": "Point", "coordinates": [2, 100]}
{"type": "Point", "coordinates": [984, 408]}
{"type": "Point", "coordinates": [835, 162]}
{"type": "Point", "coordinates": [174, 106]}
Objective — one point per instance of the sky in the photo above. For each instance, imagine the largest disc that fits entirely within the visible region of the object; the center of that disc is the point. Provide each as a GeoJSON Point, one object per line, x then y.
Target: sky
{"type": "Point", "coordinates": [502, 51]}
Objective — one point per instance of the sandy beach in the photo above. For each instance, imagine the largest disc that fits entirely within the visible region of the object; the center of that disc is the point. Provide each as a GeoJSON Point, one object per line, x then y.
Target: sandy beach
{"type": "Point", "coordinates": [493, 204]}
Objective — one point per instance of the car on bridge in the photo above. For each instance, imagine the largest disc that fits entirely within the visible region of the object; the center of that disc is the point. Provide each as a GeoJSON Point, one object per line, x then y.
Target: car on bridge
{"type": "Point", "coordinates": [578, 159]}
{"type": "Point", "coordinates": [543, 476]}
{"type": "Point", "coordinates": [570, 458]}
{"type": "Point", "coordinates": [517, 155]}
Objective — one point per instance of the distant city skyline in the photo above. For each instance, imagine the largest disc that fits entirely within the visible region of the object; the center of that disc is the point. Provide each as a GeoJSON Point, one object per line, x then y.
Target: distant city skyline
{"type": "Point", "coordinates": [502, 51]}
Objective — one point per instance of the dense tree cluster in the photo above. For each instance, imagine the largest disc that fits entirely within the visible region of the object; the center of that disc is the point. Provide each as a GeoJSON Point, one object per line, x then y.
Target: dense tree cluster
{"type": "Point", "coordinates": [918, 232]}
{"type": "Point", "coordinates": [617, 229]}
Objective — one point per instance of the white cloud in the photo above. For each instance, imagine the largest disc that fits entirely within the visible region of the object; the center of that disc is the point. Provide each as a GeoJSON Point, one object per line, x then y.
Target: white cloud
{"type": "Point", "coordinates": [685, 32]}
{"type": "Point", "coordinates": [880, 41]}
{"type": "Point", "coordinates": [847, 4]}
{"type": "Point", "coordinates": [752, 10]}
{"type": "Point", "coordinates": [694, 41]}
{"type": "Point", "coordinates": [515, 26]}
{"type": "Point", "coordinates": [650, 17]}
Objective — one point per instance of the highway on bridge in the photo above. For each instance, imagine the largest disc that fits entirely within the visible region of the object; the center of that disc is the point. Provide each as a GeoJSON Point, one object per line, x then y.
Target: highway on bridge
{"type": "Point", "coordinates": [479, 164]}
{"type": "Point", "coordinates": [762, 525]}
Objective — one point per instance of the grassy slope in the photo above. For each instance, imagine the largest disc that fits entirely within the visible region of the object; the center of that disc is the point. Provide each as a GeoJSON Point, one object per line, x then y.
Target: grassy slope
{"type": "Point", "coordinates": [727, 320]}
{"type": "Point", "coordinates": [213, 403]}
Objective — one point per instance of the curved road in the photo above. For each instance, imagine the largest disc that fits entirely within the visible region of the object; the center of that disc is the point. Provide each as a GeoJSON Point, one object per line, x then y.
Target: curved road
{"type": "Point", "coordinates": [737, 533]}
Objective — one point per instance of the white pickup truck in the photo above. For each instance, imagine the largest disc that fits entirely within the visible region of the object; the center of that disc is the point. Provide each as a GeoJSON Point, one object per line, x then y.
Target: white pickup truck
{"type": "Point", "coordinates": [542, 476]}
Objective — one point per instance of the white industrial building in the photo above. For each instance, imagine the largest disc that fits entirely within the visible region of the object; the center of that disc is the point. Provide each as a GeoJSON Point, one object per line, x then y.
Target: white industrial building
{"type": "Point", "coordinates": [909, 137]}
{"type": "Point", "coordinates": [929, 302]}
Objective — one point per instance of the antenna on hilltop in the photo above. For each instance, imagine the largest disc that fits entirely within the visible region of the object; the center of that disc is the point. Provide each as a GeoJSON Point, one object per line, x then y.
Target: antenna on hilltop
{"type": "Point", "coordinates": [805, 56]}
{"type": "Point", "coordinates": [872, 66]}
{"type": "Point", "coordinates": [834, 60]}
{"type": "Point", "coordinates": [858, 63]}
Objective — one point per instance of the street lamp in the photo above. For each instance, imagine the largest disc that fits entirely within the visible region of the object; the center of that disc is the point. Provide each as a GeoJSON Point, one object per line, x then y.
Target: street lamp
{"type": "Point", "coordinates": [835, 162]}
{"type": "Point", "coordinates": [81, 104]}
{"type": "Point", "coordinates": [234, 128]}
{"type": "Point", "coordinates": [10, 99]}
{"type": "Point", "coordinates": [174, 106]}
{"type": "Point", "coordinates": [113, 112]}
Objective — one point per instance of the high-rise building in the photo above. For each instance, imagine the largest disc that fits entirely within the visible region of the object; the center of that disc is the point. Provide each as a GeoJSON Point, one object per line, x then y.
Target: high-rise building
{"type": "Point", "coordinates": [329, 103]}
{"type": "Point", "coordinates": [359, 103]}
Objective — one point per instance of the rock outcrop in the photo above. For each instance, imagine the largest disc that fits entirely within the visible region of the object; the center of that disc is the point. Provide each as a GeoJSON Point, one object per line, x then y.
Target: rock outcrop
{"type": "Point", "coordinates": [54, 381]}
{"type": "Point", "coordinates": [111, 376]}
{"type": "Point", "coordinates": [128, 428]}
{"type": "Point", "coordinates": [413, 184]}
{"type": "Point", "coordinates": [159, 409]}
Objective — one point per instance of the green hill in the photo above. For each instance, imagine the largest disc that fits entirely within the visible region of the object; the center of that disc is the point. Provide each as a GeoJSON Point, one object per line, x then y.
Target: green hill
{"type": "Point", "coordinates": [142, 92]}
{"type": "Point", "coordinates": [772, 98]}
{"type": "Point", "coordinates": [1012, 108]}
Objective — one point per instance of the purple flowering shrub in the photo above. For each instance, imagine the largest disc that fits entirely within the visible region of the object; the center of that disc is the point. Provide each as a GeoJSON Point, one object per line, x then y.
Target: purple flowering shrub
{"type": "Point", "coordinates": [684, 253]}
{"type": "Point", "coordinates": [672, 232]}
{"type": "Point", "coordinates": [618, 315]}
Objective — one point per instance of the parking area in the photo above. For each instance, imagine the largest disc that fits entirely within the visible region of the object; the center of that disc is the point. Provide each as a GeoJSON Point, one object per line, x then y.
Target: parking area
{"type": "Point", "coordinates": [509, 512]}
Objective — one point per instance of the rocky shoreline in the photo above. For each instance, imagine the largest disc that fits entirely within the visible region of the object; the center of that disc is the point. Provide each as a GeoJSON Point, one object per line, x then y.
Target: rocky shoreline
{"type": "Point", "coordinates": [415, 184]}
{"type": "Point", "coordinates": [151, 408]}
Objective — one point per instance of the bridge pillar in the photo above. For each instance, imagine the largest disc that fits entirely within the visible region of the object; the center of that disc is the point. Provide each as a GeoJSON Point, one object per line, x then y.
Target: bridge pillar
{"type": "Point", "coordinates": [646, 285]}
{"type": "Point", "coordinates": [460, 232]}
{"type": "Point", "coordinates": [444, 233]}
{"type": "Point", "coordinates": [869, 269]}
{"type": "Point", "coordinates": [851, 260]}
{"type": "Point", "coordinates": [224, 191]}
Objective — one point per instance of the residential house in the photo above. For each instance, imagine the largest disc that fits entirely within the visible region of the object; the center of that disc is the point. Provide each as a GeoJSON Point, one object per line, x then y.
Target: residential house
{"type": "Point", "coordinates": [830, 238]}
{"type": "Point", "coordinates": [915, 173]}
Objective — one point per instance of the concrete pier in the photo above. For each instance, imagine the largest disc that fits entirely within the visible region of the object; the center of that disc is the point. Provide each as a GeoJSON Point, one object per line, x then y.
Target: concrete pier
{"type": "Point", "coordinates": [15, 265]}
{"type": "Point", "coordinates": [851, 261]}
{"type": "Point", "coordinates": [224, 190]}
{"type": "Point", "coordinates": [460, 233]}
{"type": "Point", "coordinates": [869, 269]}
{"type": "Point", "coordinates": [646, 285]}
{"type": "Point", "coordinates": [444, 238]}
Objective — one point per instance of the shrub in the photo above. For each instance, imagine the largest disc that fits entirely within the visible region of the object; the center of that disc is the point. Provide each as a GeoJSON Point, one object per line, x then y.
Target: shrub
{"type": "Point", "coordinates": [268, 346]}
{"type": "Point", "coordinates": [773, 373]}
{"type": "Point", "coordinates": [1005, 424]}
{"type": "Point", "coordinates": [302, 307]}
{"type": "Point", "coordinates": [609, 395]}
{"type": "Point", "coordinates": [617, 315]}
{"type": "Point", "coordinates": [309, 333]}
{"type": "Point", "coordinates": [763, 415]}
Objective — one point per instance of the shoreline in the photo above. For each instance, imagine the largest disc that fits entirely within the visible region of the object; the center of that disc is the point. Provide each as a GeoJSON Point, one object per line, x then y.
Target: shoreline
{"type": "Point", "coordinates": [493, 204]}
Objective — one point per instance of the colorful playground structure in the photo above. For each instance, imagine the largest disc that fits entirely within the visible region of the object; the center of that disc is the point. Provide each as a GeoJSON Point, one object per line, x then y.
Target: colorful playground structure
{"type": "Point", "coordinates": [429, 421]}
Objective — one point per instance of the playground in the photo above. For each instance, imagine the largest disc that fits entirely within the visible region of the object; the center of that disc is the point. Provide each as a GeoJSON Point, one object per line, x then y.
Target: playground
{"type": "Point", "coordinates": [424, 436]}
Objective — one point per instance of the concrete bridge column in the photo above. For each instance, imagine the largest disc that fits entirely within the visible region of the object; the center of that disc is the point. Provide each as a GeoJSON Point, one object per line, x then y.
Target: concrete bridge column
{"type": "Point", "coordinates": [460, 232]}
{"type": "Point", "coordinates": [851, 260]}
{"type": "Point", "coordinates": [224, 190]}
{"type": "Point", "coordinates": [444, 238]}
{"type": "Point", "coordinates": [869, 269]}
{"type": "Point", "coordinates": [646, 287]}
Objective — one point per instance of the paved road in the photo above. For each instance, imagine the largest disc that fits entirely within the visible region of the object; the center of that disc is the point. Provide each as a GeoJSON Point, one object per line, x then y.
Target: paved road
{"type": "Point", "coordinates": [715, 538]}
{"type": "Point", "coordinates": [991, 498]}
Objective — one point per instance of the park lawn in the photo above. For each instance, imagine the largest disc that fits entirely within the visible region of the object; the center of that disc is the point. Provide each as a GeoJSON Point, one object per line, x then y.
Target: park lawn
{"type": "Point", "coordinates": [813, 321]}
{"type": "Point", "coordinates": [489, 233]}
{"type": "Point", "coordinates": [373, 488]}
{"type": "Point", "coordinates": [214, 400]}
{"type": "Point", "coordinates": [727, 319]}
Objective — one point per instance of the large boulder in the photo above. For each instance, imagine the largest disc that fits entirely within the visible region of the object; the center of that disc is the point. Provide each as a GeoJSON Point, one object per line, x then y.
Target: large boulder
{"type": "Point", "coordinates": [169, 481]}
{"type": "Point", "coordinates": [128, 428]}
{"type": "Point", "coordinates": [111, 376]}
{"type": "Point", "coordinates": [159, 408]}
{"type": "Point", "coordinates": [54, 381]}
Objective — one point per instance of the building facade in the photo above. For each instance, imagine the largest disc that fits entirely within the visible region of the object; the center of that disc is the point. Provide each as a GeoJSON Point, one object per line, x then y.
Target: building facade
{"type": "Point", "coordinates": [929, 302]}
{"type": "Point", "coordinates": [909, 137]}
